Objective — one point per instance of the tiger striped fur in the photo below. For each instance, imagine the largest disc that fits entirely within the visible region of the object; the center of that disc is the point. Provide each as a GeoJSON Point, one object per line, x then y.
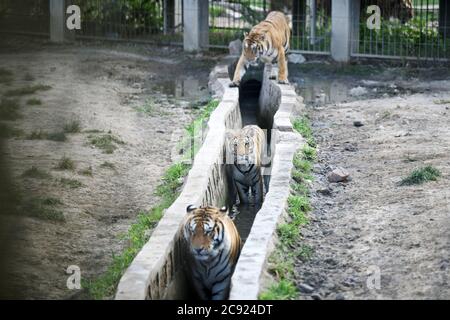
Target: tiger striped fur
{"type": "Point", "coordinates": [214, 246]}
{"type": "Point", "coordinates": [247, 147]}
{"type": "Point", "coordinates": [267, 41]}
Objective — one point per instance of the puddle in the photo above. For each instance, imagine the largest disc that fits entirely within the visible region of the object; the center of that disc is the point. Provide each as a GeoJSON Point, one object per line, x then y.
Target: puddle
{"type": "Point", "coordinates": [318, 92]}
{"type": "Point", "coordinates": [187, 88]}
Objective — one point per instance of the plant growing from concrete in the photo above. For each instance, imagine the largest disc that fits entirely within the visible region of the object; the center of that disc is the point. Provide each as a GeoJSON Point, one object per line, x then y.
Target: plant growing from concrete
{"type": "Point", "coordinates": [281, 262]}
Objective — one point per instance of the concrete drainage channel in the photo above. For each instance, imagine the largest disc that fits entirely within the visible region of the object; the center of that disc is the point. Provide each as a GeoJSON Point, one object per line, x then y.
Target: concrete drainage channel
{"type": "Point", "coordinates": [157, 272]}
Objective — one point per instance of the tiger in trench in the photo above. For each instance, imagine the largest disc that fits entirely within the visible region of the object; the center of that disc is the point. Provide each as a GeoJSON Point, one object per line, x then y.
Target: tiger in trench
{"type": "Point", "coordinates": [245, 151]}
{"type": "Point", "coordinates": [214, 246]}
{"type": "Point", "coordinates": [267, 41]}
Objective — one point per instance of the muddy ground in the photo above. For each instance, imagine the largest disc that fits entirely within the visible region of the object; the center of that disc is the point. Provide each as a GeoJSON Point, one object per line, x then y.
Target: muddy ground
{"type": "Point", "coordinates": [138, 95]}
{"type": "Point", "coordinates": [371, 228]}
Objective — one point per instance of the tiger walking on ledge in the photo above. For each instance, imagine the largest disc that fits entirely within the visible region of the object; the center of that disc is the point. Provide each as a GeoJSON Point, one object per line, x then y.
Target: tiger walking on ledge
{"type": "Point", "coordinates": [267, 41]}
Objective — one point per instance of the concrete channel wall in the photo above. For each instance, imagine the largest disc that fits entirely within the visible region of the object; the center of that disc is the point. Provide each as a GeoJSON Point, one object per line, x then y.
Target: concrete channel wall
{"type": "Point", "coordinates": [157, 270]}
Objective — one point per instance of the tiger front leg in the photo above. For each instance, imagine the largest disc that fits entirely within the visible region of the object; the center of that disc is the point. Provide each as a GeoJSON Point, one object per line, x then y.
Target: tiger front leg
{"type": "Point", "coordinates": [238, 72]}
{"type": "Point", "coordinates": [243, 192]}
{"type": "Point", "coordinates": [282, 67]}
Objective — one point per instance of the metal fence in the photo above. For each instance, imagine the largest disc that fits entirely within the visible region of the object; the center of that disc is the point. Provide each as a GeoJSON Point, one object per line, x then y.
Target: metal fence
{"type": "Point", "coordinates": [409, 29]}
{"type": "Point", "coordinates": [25, 16]}
{"type": "Point", "coordinates": [145, 20]}
{"type": "Point", "coordinates": [310, 21]}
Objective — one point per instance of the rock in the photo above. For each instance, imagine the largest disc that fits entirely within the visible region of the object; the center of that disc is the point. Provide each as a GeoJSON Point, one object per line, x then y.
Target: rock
{"type": "Point", "coordinates": [296, 58]}
{"type": "Point", "coordinates": [235, 47]}
{"type": "Point", "coordinates": [340, 296]}
{"type": "Point", "coordinates": [358, 91]}
{"type": "Point", "coordinates": [358, 123]}
{"type": "Point", "coordinates": [305, 288]}
{"type": "Point", "coordinates": [316, 296]}
{"type": "Point", "coordinates": [326, 192]}
{"type": "Point", "coordinates": [338, 175]}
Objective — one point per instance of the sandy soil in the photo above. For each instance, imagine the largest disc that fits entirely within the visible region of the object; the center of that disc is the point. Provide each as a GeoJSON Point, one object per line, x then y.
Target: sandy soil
{"type": "Point", "coordinates": [370, 225]}
{"type": "Point", "coordinates": [103, 87]}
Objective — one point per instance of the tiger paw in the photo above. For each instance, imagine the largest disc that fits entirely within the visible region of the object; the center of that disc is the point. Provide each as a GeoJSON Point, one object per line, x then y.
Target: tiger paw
{"type": "Point", "coordinates": [283, 81]}
{"type": "Point", "coordinates": [234, 84]}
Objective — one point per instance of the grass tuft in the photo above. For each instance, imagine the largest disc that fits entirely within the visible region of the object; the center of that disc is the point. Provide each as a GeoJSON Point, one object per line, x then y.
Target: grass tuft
{"type": "Point", "coordinates": [303, 126]}
{"type": "Point", "coordinates": [72, 127]}
{"type": "Point", "coordinates": [70, 183]}
{"type": "Point", "coordinates": [283, 290]}
{"type": "Point", "coordinates": [44, 208]}
{"type": "Point", "coordinates": [105, 142]}
{"type": "Point", "coordinates": [65, 163]}
{"type": "Point", "coordinates": [421, 175]}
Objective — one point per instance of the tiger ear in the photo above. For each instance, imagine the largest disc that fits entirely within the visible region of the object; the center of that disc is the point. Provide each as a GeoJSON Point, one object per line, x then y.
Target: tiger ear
{"type": "Point", "coordinates": [190, 208]}
{"type": "Point", "coordinates": [245, 34]}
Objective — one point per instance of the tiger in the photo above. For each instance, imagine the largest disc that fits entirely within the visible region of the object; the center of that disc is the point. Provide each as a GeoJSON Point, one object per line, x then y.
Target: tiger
{"type": "Point", "coordinates": [214, 246]}
{"type": "Point", "coordinates": [246, 147]}
{"type": "Point", "coordinates": [267, 41]}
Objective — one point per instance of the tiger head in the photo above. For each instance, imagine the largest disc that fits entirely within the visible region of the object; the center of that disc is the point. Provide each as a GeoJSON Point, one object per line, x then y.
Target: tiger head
{"type": "Point", "coordinates": [242, 148]}
{"type": "Point", "coordinates": [253, 47]}
{"type": "Point", "coordinates": [204, 231]}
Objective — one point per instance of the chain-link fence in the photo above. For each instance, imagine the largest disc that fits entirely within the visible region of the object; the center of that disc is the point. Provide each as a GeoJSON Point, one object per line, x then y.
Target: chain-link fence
{"type": "Point", "coordinates": [25, 16]}
{"type": "Point", "coordinates": [408, 29]}
{"type": "Point", "coordinates": [310, 21]}
{"type": "Point", "coordinates": [133, 20]}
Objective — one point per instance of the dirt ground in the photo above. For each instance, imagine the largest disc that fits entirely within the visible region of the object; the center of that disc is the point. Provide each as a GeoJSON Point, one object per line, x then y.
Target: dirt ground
{"type": "Point", "coordinates": [139, 95]}
{"type": "Point", "coordinates": [371, 228]}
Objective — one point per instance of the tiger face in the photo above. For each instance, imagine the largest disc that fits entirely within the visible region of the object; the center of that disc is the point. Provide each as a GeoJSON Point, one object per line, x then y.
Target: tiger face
{"type": "Point", "coordinates": [203, 231]}
{"type": "Point", "coordinates": [242, 149]}
{"type": "Point", "coordinates": [253, 48]}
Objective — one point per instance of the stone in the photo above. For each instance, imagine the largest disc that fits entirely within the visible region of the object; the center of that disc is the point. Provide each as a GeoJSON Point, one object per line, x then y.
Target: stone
{"type": "Point", "coordinates": [340, 296]}
{"type": "Point", "coordinates": [296, 58]}
{"type": "Point", "coordinates": [305, 288]}
{"type": "Point", "coordinates": [358, 91]}
{"type": "Point", "coordinates": [235, 47]}
{"type": "Point", "coordinates": [338, 175]}
{"type": "Point", "coordinates": [358, 123]}
{"type": "Point", "coordinates": [316, 296]}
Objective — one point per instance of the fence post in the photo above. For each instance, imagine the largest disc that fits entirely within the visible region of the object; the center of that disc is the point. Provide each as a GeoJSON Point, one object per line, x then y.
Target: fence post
{"type": "Point", "coordinates": [196, 25]}
{"type": "Point", "coordinates": [343, 14]}
{"type": "Point", "coordinates": [169, 16]}
{"type": "Point", "coordinates": [57, 20]}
